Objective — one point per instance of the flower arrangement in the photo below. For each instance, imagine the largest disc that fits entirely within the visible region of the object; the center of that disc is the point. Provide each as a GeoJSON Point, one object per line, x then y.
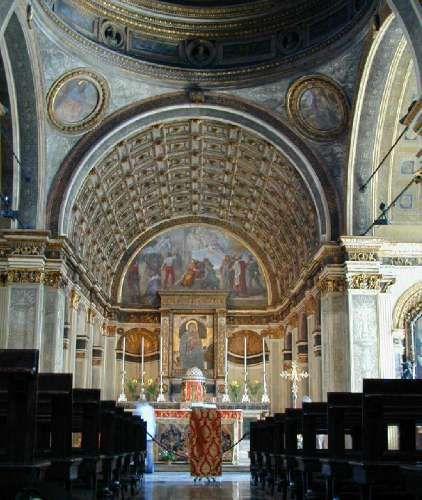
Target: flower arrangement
{"type": "Point", "coordinates": [234, 390]}
{"type": "Point", "coordinates": [151, 389]}
{"type": "Point", "coordinates": [132, 387]}
{"type": "Point", "coordinates": [167, 456]}
{"type": "Point", "coordinates": [256, 389]}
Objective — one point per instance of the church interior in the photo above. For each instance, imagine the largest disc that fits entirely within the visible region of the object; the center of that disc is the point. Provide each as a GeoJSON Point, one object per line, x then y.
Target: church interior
{"type": "Point", "coordinates": [211, 209]}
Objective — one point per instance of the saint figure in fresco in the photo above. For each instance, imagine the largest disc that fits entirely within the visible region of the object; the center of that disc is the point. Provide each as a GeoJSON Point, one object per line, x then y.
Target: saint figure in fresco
{"type": "Point", "coordinates": [191, 350]}
{"type": "Point", "coordinates": [191, 274]}
{"type": "Point", "coordinates": [168, 270]}
{"type": "Point", "coordinates": [239, 284]}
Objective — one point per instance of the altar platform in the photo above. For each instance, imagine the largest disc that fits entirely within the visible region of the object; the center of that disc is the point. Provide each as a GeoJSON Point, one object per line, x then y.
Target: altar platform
{"type": "Point", "coordinates": [173, 424]}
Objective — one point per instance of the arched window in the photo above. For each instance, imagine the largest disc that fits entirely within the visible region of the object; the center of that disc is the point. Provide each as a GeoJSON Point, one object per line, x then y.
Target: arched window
{"type": "Point", "coordinates": [408, 331]}
{"type": "Point", "coordinates": [416, 336]}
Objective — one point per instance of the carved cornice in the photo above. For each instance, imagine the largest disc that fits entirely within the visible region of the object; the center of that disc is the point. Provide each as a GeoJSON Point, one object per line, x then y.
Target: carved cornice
{"type": "Point", "coordinates": [197, 299]}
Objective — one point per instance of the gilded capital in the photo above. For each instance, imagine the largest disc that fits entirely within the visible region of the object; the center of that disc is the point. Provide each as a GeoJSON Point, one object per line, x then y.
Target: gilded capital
{"type": "Point", "coordinates": [74, 299]}
{"type": "Point", "coordinates": [55, 279]}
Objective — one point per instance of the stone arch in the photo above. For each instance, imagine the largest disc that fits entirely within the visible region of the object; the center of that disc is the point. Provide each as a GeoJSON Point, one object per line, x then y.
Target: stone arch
{"type": "Point", "coordinates": [24, 82]}
{"type": "Point", "coordinates": [383, 99]}
{"type": "Point", "coordinates": [408, 306]}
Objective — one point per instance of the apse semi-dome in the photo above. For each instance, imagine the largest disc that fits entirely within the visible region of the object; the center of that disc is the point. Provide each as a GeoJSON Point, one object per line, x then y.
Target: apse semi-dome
{"type": "Point", "coordinates": [209, 42]}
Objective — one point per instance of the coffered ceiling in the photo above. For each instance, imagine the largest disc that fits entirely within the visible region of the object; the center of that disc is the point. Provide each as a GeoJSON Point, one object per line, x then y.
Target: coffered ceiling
{"type": "Point", "coordinates": [195, 170]}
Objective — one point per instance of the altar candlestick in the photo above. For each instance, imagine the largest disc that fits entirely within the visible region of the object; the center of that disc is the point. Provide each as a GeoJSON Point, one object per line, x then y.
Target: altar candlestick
{"type": "Point", "coordinates": [161, 396]}
{"type": "Point", "coordinates": [245, 397]}
{"type": "Point", "coordinates": [226, 397]}
{"type": "Point", "coordinates": [142, 396]}
{"type": "Point", "coordinates": [265, 397]}
{"type": "Point", "coordinates": [122, 397]}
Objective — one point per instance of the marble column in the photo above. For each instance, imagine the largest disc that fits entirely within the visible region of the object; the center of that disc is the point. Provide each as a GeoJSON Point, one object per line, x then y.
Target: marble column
{"type": "Point", "coordinates": [26, 309]}
{"type": "Point", "coordinates": [4, 314]}
{"type": "Point", "coordinates": [334, 333]}
{"type": "Point", "coordinates": [363, 290]}
{"type": "Point", "coordinates": [287, 365]}
{"type": "Point", "coordinates": [90, 343]}
{"type": "Point", "coordinates": [276, 385]}
{"type": "Point", "coordinates": [97, 372]}
{"type": "Point", "coordinates": [73, 330]}
{"type": "Point", "coordinates": [51, 354]}
{"type": "Point", "coordinates": [386, 343]}
{"type": "Point", "coordinates": [302, 355]}
{"type": "Point", "coordinates": [110, 369]}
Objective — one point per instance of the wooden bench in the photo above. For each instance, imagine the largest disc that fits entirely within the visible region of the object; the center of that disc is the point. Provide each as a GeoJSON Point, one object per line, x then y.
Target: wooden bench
{"type": "Point", "coordinates": [20, 468]}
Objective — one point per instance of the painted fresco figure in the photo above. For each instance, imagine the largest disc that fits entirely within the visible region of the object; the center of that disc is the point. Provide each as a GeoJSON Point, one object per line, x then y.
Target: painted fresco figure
{"type": "Point", "coordinates": [239, 284]}
{"type": "Point", "coordinates": [168, 270]}
{"type": "Point", "coordinates": [191, 350]}
{"type": "Point", "coordinates": [210, 280]}
{"type": "Point", "coordinates": [225, 273]}
{"type": "Point", "coordinates": [191, 274]}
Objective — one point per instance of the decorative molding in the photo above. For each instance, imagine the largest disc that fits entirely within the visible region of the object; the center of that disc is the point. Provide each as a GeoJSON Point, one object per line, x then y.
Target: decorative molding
{"type": "Point", "coordinates": [74, 300]}
{"type": "Point", "coordinates": [364, 281]}
{"type": "Point", "coordinates": [94, 117]}
{"type": "Point", "coordinates": [23, 276]}
{"type": "Point", "coordinates": [332, 284]}
{"type": "Point", "coordinates": [55, 279]}
{"type": "Point", "coordinates": [196, 299]}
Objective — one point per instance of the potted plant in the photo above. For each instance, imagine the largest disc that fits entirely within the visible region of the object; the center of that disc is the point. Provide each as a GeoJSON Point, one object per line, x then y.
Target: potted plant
{"type": "Point", "coordinates": [167, 456]}
{"type": "Point", "coordinates": [151, 389]}
{"type": "Point", "coordinates": [234, 391]}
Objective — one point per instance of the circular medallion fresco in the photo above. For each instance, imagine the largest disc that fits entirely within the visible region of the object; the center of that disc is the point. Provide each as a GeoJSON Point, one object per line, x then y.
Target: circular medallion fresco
{"type": "Point", "coordinates": [77, 101]}
{"type": "Point", "coordinates": [318, 106]}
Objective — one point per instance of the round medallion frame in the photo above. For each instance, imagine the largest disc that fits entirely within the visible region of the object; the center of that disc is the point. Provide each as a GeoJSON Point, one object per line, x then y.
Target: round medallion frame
{"type": "Point", "coordinates": [294, 96]}
{"type": "Point", "coordinates": [94, 118]}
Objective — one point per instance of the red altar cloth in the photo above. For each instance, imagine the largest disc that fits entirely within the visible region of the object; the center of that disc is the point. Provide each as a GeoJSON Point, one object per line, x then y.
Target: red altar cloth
{"type": "Point", "coordinates": [205, 446]}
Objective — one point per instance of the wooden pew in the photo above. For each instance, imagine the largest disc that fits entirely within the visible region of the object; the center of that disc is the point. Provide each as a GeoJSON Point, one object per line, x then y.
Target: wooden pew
{"type": "Point", "coordinates": [54, 431]}
{"type": "Point", "coordinates": [344, 415]}
{"type": "Point", "coordinates": [20, 469]}
{"type": "Point", "coordinates": [315, 437]}
{"type": "Point", "coordinates": [293, 451]}
{"type": "Point", "coordinates": [279, 478]}
{"type": "Point", "coordinates": [86, 436]}
{"type": "Point", "coordinates": [391, 411]}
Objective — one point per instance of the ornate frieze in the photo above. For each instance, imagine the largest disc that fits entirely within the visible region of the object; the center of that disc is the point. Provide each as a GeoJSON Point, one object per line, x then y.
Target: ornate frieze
{"type": "Point", "coordinates": [197, 299]}
{"type": "Point", "coordinates": [55, 279]}
{"type": "Point", "coordinates": [22, 276]}
{"type": "Point", "coordinates": [27, 248]}
{"type": "Point", "coordinates": [363, 281]}
{"type": "Point", "coordinates": [332, 284]}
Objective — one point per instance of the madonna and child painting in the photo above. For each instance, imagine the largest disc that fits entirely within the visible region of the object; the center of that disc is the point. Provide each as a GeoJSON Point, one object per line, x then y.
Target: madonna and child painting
{"type": "Point", "coordinates": [195, 258]}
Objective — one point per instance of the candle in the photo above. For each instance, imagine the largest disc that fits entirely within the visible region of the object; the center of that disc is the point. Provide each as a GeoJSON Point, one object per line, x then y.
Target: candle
{"type": "Point", "coordinates": [161, 355]}
{"type": "Point", "coordinates": [226, 349]}
{"type": "Point", "coordinates": [142, 359]}
{"type": "Point", "coordinates": [245, 349]}
{"type": "Point", "coordinates": [124, 351]}
{"type": "Point", "coordinates": [263, 353]}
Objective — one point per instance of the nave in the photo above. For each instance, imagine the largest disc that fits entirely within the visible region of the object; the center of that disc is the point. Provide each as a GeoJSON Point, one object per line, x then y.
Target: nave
{"type": "Point", "coordinates": [179, 485]}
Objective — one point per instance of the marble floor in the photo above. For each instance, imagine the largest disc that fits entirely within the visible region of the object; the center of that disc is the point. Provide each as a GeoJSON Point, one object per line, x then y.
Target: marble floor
{"type": "Point", "coordinates": [180, 486]}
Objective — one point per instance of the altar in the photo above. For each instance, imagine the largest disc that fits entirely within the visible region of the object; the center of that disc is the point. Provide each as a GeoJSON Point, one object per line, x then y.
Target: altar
{"type": "Point", "coordinates": [172, 432]}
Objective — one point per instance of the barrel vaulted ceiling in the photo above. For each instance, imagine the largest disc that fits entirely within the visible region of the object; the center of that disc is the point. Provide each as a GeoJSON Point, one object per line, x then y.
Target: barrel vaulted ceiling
{"type": "Point", "coordinates": [196, 170]}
